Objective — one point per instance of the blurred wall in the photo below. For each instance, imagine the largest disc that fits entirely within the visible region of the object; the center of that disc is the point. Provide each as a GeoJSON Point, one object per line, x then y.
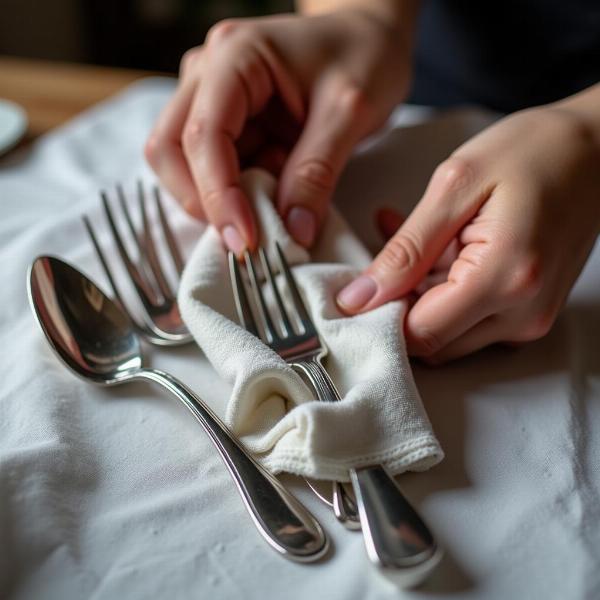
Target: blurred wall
{"type": "Point", "coordinates": [149, 34]}
{"type": "Point", "coordinates": [34, 28]}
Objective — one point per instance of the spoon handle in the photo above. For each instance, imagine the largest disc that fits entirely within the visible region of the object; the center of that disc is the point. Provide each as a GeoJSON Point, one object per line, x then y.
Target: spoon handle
{"type": "Point", "coordinates": [397, 539]}
{"type": "Point", "coordinates": [281, 519]}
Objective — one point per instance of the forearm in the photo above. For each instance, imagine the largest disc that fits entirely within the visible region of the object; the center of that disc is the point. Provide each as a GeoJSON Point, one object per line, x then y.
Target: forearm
{"type": "Point", "coordinates": [394, 13]}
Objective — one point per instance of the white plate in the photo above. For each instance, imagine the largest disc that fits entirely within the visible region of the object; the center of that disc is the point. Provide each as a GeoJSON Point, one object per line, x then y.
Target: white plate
{"type": "Point", "coordinates": [13, 124]}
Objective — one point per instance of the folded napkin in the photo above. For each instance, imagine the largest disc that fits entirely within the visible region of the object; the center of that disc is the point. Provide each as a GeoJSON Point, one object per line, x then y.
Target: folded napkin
{"type": "Point", "coordinates": [380, 418]}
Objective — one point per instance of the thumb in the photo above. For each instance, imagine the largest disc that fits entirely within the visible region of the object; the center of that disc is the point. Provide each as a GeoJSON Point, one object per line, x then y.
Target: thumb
{"type": "Point", "coordinates": [336, 121]}
{"type": "Point", "coordinates": [453, 197]}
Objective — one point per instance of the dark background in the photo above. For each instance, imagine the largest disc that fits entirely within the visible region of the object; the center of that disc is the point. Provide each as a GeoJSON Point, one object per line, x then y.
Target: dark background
{"type": "Point", "coordinates": [144, 34]}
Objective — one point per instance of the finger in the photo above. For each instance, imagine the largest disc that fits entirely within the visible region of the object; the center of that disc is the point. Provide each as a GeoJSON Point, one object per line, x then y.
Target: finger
{"type": "Point", "coordinates": [453, 197]}
{"type": "Point", "coordinates": [165, 155]}
{"type": "Point", "coordinates": [335, 123]}
{"type": "Point", "coordinates": [448, 256]}
{"type": "Point", "coordinates": [388, 222]}
{"type": "Point", "coordinates": [433, 279]}
{"type": "Point", "coordinates": [446, 311]}
{"type": "Point", "coordinates": [231, 93]}
{"type": "Point", "coordinates": [485, 333]}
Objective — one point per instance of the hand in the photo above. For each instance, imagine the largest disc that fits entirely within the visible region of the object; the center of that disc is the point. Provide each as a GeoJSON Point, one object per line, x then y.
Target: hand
{"type": "Point", "coordinates": [498, 239]}
{"type": "Point", "coordinates": [289, 93]}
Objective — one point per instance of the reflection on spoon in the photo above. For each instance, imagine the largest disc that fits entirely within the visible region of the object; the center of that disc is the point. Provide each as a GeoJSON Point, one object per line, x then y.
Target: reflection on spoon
{"type": "Point", "coordinates": [94, 338]}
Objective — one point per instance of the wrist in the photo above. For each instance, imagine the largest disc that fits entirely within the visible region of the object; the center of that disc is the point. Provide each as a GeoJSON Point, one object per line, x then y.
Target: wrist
{"type": "Point", "coordinates": [398, 15]}
{"type": "Point", "coordinates": [584, 107]}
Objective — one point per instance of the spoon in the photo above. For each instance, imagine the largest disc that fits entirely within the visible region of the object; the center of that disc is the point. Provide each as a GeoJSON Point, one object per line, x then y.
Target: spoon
{"type": "Point", "coordinates": [94, 338]}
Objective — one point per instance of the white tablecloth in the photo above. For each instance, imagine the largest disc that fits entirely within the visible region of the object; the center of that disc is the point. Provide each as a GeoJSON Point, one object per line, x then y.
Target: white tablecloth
{"type": "Point", "coordinates": [119, 494]}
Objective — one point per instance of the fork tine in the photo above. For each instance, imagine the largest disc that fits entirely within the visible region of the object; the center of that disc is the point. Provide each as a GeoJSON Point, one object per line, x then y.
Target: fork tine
{"type": "Point", "coordinates": [270, 330]}
{"type": "Point", "coordinates": [242, 304]}
{"type": "Point", "coordinates": [103, 261]}
{"type": "Point", "coordinates": [146, 331]}
{"type": "Point", "coordinates": [168, 232]}
{"type": "Point", "coordinates": [299, 305]}
{"type": "Point", "coordinates": [145, 292]}
{"type": "Point", "coordinates": [152, 255]}
{"type": "Point", "coordinates": [129, 220]}
{"type": "Point", "coordinates": [143, 263]}
{"type": "Point", "coordinates": [287, 325]}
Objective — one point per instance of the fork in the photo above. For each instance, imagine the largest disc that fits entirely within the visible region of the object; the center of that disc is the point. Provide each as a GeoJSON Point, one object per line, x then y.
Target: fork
{"type": "Point", "coordinates": [299, 350]}
{"type": "Point", "coordinates": [395, 536]}
{"type": "Point", "coordinates": [161, 322]}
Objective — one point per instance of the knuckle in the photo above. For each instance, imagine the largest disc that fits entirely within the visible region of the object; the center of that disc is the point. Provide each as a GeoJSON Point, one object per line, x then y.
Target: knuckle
{"type": "Point", "coordinates": [192, 136]}
{"type": "Point", "coordinates": [152, 150]}
{"type": "Point", "coordinates": [525, 282]}
{"type": "Point", "coordinates": [210, 201]}
{"type": "Point", "coordinates": [354, 103]}
{"type": "Point", "coordinates": [455, 174]}
{"type": "Point", "coordinates": [188, 60]}
{"type": "Point", "coordinates": [222, 30]}
{"type": "Point", "coordinates": [538, 326]}
{"type": "Point", "coordinates": [316, 176]}
{"type": "Point", "coordinates": [401, 252]}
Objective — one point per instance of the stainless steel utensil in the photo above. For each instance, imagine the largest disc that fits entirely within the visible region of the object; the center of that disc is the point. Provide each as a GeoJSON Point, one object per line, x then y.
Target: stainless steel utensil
{"type": "Point", "coordinates": [296, 349]}
{"type": "Point", "coordinates": [161, 322]}
{"type": "Point", "coordinates": [396, 537]}
{"type": "Point", "coordinates": [96, 340]}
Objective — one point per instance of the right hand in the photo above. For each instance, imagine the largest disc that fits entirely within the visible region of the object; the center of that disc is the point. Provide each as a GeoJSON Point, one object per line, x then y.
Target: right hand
{"type": "Point", "coordinates": [292, 94]}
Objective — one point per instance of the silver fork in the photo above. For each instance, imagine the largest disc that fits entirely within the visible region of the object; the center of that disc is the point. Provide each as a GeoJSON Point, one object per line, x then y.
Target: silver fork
{"type": "Point", "coordinates": [396, 537]}
{"type": "Point", "coordinates": [161, 322]}
{"type": "Point", "coordinates": [300, 350]}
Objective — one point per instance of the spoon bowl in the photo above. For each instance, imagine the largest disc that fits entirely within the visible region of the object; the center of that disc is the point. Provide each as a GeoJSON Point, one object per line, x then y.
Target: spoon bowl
{"type": "Point", "coordinates": [87, 330]}
{"type": "Point", "coordinates": [95, 339]}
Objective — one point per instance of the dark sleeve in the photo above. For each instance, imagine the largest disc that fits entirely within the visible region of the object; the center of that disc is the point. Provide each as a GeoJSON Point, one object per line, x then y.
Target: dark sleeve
{"type": "Point", "coordinates": [505, 55]}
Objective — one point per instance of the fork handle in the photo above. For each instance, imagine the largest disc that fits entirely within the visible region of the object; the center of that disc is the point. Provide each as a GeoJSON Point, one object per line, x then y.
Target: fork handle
{"type": "Point", "coordinates": [319, 379]}
{"type": "Point", "coordinates": [344, 507]}
{"type": "Point", "coordinates": [396, 537]}
{"type": "Point", "coordinates": [281, 519]}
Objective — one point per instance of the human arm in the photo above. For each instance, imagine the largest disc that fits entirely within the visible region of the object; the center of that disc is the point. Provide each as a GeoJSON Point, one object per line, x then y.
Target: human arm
{"type": "Point", "coordinates": [291, 93]}
{"type": "Point", "coordinates": [516, 212]}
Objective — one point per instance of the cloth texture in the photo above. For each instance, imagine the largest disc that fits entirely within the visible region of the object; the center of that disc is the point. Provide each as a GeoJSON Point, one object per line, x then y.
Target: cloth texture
{"type": "Point", "coordinates": [380, 419]}
{"type": "Point", "coordinates": [118, 493]}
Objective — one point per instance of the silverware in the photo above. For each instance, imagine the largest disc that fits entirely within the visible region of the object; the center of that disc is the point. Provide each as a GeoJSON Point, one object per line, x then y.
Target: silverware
{"type": "Point", "coordinates": [396, 538]}
{"type": "Point", "coordinates": [161, 322]}
{"type": "Point", "coordinates": [92, 335]}
{"type": "Point", "coordinates": [299, 350]}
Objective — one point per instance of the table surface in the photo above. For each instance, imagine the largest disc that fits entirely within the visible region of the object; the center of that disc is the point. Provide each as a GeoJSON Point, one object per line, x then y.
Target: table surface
{"type": "Point", "coordinates": [118, 494]}
{"type": "Point", "coordinates": [54, 92]}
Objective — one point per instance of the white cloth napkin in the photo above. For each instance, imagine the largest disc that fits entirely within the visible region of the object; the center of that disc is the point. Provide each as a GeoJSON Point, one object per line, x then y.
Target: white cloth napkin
{"type": "Point", "coordinates": [117, 493]}
{"type": "Point", "coordinates": [380, 418]}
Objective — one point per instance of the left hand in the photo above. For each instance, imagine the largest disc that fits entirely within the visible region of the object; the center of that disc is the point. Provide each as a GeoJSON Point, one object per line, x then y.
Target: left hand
{"type": "Point", "coordinates": [513, 215]}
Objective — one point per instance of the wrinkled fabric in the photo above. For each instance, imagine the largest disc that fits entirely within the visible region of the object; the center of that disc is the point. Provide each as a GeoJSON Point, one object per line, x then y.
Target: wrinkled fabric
{"type": "Point", "coordinates": [380, 418]}
{"type": "Point", "coordinates": [118, 493]}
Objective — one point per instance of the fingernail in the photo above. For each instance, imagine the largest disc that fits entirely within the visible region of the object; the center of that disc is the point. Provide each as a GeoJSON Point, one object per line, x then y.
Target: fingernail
{"type": "Point", "coordinates": [233, 240]}
{"type": "Point", "coordinates": [355, 295]}
{"type": "Point", "coordinates": [302, 224]}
